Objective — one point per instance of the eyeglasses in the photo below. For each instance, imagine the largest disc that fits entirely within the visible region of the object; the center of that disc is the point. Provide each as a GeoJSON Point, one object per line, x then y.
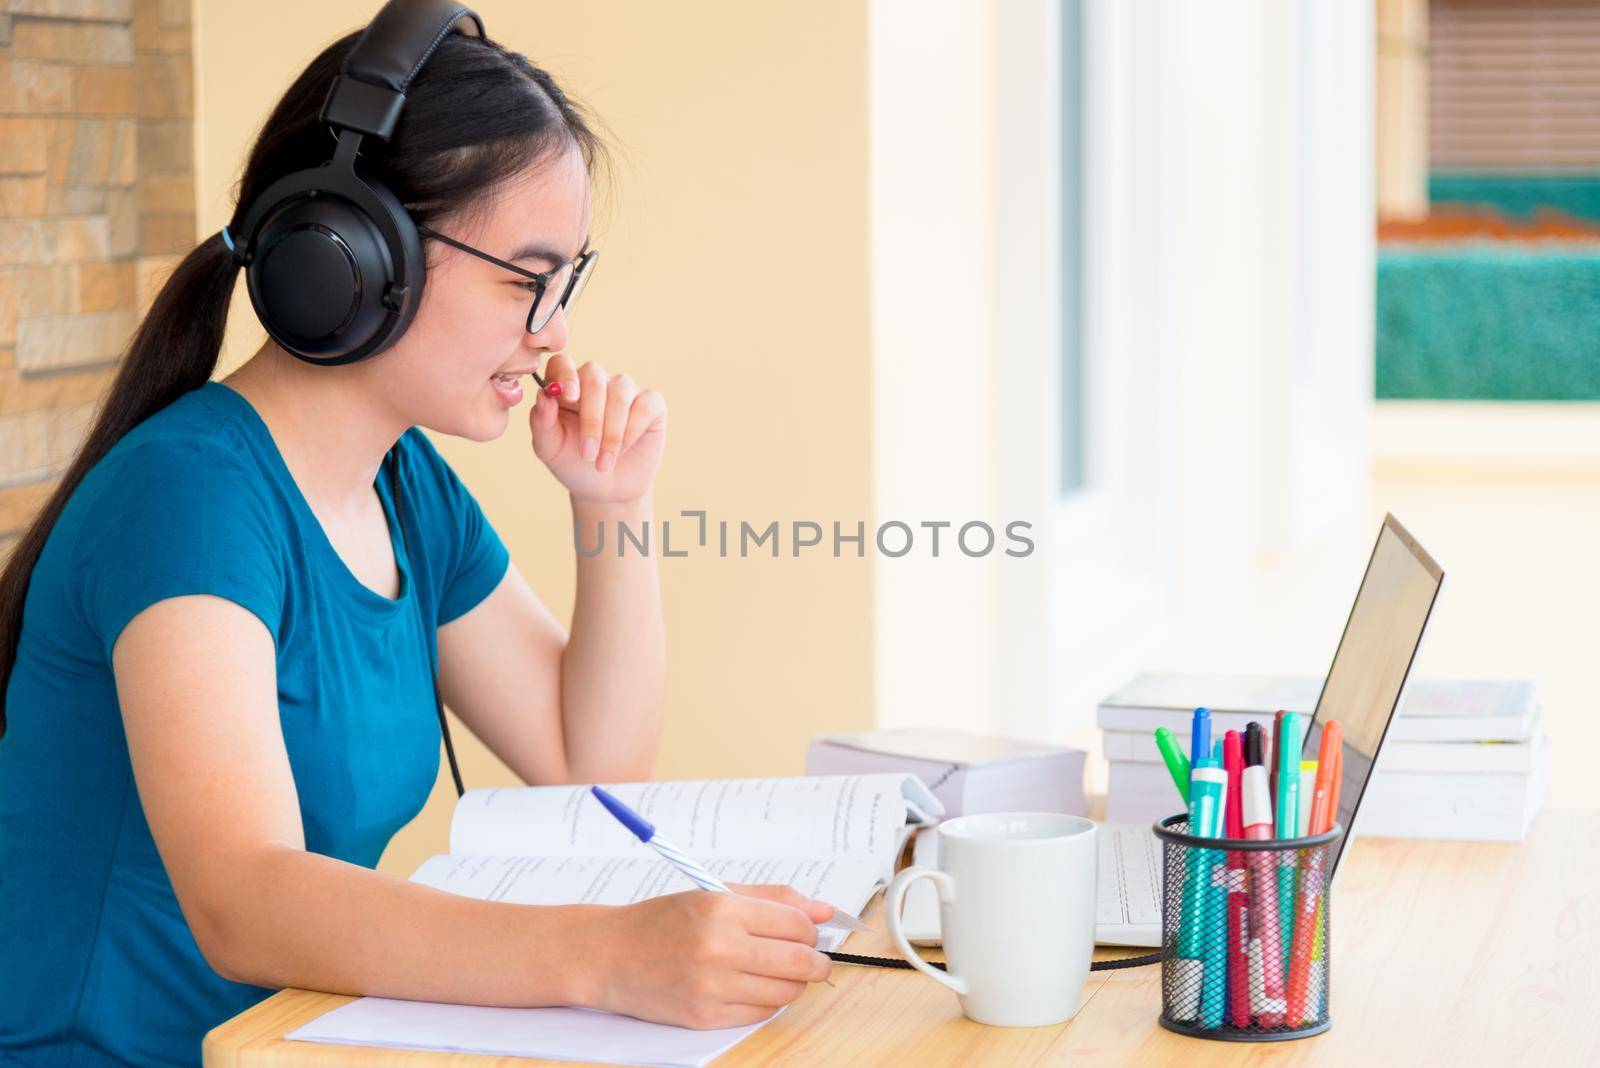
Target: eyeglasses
{"type": "Point", "coordinates": [562, 283]}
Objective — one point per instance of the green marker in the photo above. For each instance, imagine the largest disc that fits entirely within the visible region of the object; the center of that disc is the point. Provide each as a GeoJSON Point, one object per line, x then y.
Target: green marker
{"type": "Point", "coordinates": [1177, 763]}
{"type": "Point", "coordinates": [1290, 743]}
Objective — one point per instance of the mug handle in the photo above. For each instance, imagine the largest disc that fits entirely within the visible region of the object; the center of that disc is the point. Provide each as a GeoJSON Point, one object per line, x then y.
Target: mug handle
{"type": "Point", "coordinates": [893, 900]}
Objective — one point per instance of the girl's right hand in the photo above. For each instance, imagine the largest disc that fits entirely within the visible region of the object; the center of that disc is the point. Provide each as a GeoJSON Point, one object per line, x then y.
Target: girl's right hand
{"type": "Point", "coordinates": [705, 960]}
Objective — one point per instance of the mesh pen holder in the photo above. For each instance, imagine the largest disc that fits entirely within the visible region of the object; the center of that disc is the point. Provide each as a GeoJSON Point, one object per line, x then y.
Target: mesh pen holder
{"type": "Point", "coordinates": [1244, 935]}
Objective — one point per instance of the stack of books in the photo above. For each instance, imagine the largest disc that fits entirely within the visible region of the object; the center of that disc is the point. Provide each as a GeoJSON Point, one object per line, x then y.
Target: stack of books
{"type": "Point", "coordinates": [967, 772]}
{"type": "Point", "coordinates": [1463, 759]}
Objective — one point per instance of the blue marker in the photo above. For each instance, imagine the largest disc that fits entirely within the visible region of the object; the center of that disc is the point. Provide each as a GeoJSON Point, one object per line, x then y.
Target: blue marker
{"type": "Point", "coordinates": [1199, 741]}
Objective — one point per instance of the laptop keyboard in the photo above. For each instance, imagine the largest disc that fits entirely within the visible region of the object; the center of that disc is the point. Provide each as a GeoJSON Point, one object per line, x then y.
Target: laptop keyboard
{"type": "Point", "coordinates": [1129, 891]}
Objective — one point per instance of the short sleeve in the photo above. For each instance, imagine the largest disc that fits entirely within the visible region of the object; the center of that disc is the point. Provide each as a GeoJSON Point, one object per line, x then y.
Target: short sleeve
{"type": "Point", "coordinates": [474, 558]}
{"type": "Point", "coordinates": [172, 517]}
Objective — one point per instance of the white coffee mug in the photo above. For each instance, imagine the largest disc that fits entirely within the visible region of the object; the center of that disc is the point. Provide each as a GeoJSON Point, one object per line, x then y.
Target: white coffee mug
{"type": "Point", "coordinates": [1016, 913]}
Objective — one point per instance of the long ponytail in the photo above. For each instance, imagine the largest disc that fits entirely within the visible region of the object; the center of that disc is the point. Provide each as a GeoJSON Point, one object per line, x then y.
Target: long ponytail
{"type": "Point", "coordinates": [449, 147]}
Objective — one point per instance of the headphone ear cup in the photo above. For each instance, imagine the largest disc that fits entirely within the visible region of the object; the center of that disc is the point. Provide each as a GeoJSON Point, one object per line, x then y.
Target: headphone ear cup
{"type": "Point", "coordinates": [335, 274]}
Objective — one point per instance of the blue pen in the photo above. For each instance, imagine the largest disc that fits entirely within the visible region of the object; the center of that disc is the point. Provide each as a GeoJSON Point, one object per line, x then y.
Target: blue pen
{"type": "Point", "coordinates": [647, 833]}
{"type": "Point", "coordinates": [1199, 739]}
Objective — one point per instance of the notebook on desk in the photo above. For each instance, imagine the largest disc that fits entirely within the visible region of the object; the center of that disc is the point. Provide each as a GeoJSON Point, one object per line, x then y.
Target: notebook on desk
{"type": "Point", "coordinates": [834, 838]}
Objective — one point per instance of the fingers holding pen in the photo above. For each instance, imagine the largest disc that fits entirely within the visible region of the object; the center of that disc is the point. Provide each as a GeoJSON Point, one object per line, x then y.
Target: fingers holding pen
{"type": "Point", "coordinates": [561, 375]}
{"type": "Point", "coordinates": [602, 436]}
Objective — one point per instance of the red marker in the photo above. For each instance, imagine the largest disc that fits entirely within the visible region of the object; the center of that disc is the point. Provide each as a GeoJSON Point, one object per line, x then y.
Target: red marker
{"type": "Point", "coordinates": [1233, 765]}
{"type": "Point", "coordinates": [1237, 883]}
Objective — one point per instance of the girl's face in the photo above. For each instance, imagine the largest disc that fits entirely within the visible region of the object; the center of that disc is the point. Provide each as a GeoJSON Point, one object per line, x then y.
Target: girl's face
{"type": "Point", "coordinates": [472, 321]}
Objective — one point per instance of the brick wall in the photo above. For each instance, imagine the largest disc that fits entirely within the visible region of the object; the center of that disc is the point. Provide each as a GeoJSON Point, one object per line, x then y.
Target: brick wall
{"type": "Point", "coordinates": [96, 205]}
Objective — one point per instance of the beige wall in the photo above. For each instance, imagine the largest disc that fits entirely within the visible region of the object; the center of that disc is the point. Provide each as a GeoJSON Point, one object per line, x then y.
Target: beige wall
{"type": "Point", "coordinates": [733, 279]}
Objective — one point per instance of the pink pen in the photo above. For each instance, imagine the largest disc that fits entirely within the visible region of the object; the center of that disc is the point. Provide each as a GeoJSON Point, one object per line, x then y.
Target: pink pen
{"type": "Point", "coordinates": [1264, 904]}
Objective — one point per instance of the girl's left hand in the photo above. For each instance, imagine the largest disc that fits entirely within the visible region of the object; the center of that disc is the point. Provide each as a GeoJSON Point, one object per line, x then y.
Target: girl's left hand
{"type": "Point", "coordinates": [603, 437]}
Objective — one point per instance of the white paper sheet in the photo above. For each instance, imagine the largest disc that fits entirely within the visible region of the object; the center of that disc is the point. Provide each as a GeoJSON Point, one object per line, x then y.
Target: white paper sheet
{"type": "Point", "coordinates": [571, 1034]}
{"type": "Point", "coordinates": [556, 1034]}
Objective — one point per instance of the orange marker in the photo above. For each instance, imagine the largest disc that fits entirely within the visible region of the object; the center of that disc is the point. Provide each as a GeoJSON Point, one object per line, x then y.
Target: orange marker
{"type": "Point", "coordinates": [1308, 901]}
{"type": "Point", "coordinates": [1325, 794]}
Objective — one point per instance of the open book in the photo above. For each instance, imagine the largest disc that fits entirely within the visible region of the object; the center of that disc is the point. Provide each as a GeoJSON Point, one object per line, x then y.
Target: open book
{"type": "Point", "coordinates": [832, 837]}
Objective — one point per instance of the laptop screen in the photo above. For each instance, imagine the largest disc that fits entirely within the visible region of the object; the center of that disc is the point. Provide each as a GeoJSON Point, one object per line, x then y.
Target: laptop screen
{"type": "Point", "coordinates": [1374, 657]}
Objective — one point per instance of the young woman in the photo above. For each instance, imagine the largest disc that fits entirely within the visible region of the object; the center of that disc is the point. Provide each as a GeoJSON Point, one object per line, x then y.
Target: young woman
{"type": "Point", "coordinates": [218, 706]}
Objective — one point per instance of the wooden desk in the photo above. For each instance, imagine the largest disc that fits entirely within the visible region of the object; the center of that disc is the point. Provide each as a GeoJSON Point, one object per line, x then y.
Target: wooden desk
{"type": "Point", "coordinates": [1443, 953]}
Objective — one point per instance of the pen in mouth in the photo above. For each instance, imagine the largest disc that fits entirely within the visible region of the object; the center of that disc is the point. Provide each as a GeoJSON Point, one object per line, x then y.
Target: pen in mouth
{"type": "Point", "coordinates": [552, 390]}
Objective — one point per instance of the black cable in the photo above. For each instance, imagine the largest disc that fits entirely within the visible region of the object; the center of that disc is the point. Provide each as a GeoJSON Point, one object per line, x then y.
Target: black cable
{"type": "Point", "coordinates": [433, 663]}
{"type": "Point", "coordinates": [895, 962]}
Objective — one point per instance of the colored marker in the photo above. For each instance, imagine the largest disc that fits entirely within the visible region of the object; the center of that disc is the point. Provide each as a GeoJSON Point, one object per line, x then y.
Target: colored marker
{"type": "Point", "coordinates": [1288, 786]}
{"type": "Point", "coordinates": [1272, 765]}
{"type": "Point", "coordinates": [1255, 741]}
{"type": "Point", "coordinates": [1237, 889]}
{"type": "Point", "coordinates": [1177, 763]}
{"type": "Point", "coordinates": [1309, 901]}
{"type": "Point", "coordinates": [1338, 784]}
{"type": "Point", "coordinates": [1287, 819]}
{"type": "Point", "coordinates": [1319, 951]}
{"type": "Point", "coordinates": [1267, 993]}
{"type": "Point", "coordinates": [1324, 791]}
{"type": "Point", "coordinates": [1213, 785]}
{"type": "Point", "coordinates": [1258, 980]}
{"type": "Point", "coordinates": [1308, 782]}
{"type": "Point", "coordinates": [1199, 738]}
{"type": "Point", "coordinates": [1206, 786]}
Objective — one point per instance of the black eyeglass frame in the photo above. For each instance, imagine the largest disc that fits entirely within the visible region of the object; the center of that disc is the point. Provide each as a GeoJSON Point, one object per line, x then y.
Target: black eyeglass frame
{"type": "Point", "coordinates": [583, 263]}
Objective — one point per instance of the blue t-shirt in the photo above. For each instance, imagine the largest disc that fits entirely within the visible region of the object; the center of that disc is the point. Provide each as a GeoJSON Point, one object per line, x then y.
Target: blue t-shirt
{"type": "Point", "coordinates": [97, 965]}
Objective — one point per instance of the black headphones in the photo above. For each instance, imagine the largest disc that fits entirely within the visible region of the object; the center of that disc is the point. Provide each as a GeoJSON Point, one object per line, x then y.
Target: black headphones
{"type": "Point", "coordinates": [332, 259]}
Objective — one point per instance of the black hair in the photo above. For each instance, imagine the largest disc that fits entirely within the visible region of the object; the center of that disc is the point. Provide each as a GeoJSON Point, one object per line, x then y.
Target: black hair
{"type": "Point", "coordinates": [476, 114]}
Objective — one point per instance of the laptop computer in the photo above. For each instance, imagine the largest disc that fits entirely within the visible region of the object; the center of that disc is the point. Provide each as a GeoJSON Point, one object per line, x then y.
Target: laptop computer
{"type": "Point", "coordinates": [1364, 685]}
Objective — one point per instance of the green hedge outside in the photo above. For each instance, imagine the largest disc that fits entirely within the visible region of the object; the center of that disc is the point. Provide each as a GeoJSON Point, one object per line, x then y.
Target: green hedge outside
{"type": "Point", "coordinates": [1519, 195]}
{"type": "Point", "coordinates": [1488, 322]}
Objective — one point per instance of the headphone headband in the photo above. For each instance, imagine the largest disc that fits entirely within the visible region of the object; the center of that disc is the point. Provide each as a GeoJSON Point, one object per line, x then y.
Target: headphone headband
{"type": "Point", "coordinates": [371, 87]}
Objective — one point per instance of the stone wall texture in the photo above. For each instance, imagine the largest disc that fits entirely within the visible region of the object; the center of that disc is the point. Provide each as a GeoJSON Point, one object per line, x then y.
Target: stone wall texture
{"type": "Point", "coordinates": [96, 206]}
